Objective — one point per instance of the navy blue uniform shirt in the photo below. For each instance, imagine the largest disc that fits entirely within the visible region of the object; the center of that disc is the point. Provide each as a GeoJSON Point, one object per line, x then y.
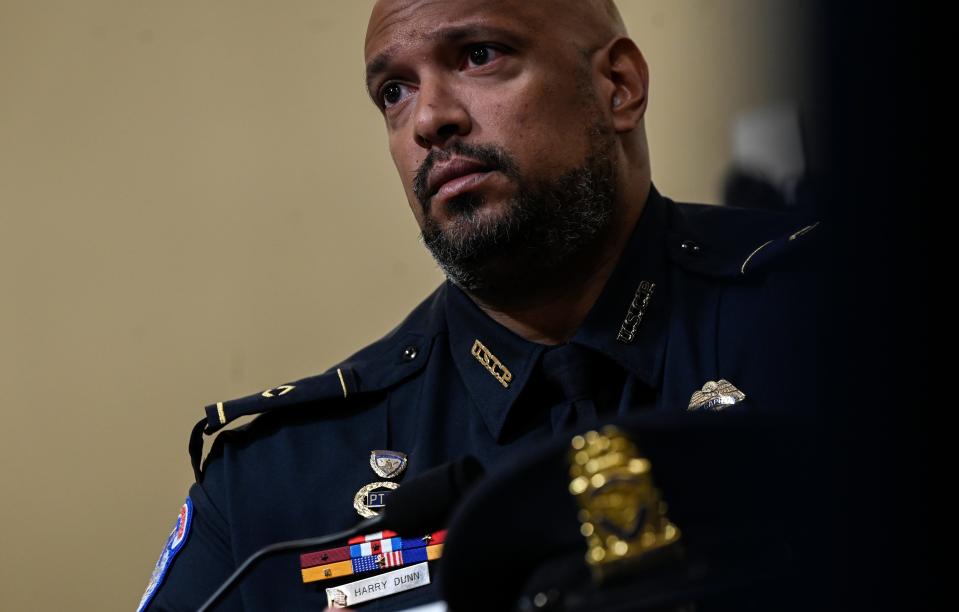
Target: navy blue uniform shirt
{"type": "Point", "coordinates": [725, 294]}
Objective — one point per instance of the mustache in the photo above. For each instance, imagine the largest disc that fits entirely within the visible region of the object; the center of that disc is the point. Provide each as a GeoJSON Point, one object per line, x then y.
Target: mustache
{"type": "Point", "coordinates": [492, 156]}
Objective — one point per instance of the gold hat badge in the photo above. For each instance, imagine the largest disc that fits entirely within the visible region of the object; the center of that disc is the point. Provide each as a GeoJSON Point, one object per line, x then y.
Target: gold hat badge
{"type": "Point", "coordinates": [621, 513]}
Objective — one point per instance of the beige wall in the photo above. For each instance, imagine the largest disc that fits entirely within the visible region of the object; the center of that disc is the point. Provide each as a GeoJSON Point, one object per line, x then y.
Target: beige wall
{"type": "Point", "coordinates": [196, 203]}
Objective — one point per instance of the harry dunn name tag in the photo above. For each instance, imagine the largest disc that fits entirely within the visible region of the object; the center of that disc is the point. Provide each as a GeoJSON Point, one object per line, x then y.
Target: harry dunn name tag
{"type": "Point", "coordinates": [381, 585]}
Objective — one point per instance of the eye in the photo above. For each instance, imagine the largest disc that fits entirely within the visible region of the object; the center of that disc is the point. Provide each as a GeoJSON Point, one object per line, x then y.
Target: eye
{"type": "Point", "coordinates": [480, 55]}
{"type": "Point", "coordinates": [393, 93]}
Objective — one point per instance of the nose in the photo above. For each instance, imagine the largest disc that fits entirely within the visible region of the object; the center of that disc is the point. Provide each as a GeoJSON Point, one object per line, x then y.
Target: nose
{"type": "Point", "coordinates": [440, 116]}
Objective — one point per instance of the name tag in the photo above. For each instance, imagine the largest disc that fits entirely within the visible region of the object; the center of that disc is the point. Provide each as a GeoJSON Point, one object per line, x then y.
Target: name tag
{"type": "Point", "coordinates": [378, 586]}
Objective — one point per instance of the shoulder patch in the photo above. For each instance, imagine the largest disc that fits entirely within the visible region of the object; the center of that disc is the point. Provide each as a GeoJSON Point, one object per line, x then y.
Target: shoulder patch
{"type": "Point", "coordinates": [181, 529]}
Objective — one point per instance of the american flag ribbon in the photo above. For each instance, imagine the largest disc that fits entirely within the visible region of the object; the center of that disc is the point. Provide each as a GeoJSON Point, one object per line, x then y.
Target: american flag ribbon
{"type": "Point", "coordinates": [393, 559]}
{"type": "Point", "coordinates": [365, 564]}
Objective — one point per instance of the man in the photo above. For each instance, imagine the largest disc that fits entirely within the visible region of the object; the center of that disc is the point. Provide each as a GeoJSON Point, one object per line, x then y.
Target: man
{"type": "Point", "coordinates": [575, 292]}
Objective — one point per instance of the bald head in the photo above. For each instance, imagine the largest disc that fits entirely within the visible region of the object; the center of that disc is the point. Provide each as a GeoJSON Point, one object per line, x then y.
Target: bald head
{"type": "Point", "coordinates": [610, 14]}
{"type": "Point", "coordinates": [589, 24]}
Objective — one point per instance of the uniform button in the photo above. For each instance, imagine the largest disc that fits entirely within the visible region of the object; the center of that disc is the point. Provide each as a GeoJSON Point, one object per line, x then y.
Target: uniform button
{"type": "Point", "coordinates": [409, 353]}
{"type": "Point", "coordinates": [690, 247]}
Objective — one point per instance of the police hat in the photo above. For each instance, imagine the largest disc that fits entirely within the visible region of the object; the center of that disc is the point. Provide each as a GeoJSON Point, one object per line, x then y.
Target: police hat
{"type": "Point", "coordinates": [660, 511]}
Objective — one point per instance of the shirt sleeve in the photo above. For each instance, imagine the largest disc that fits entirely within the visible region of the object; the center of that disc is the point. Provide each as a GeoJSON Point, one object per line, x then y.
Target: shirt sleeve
{"type": "Point", "coordinates": [199, 566]}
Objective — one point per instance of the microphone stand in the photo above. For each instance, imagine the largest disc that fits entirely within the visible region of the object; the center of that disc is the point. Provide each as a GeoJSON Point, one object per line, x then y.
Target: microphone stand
{"type": "Point", "coordinates": [282, 547]}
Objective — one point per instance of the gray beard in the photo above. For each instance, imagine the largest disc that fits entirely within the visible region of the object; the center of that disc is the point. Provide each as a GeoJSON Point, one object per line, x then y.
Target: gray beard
{"type": "Point", "coordinates": [545, 229]}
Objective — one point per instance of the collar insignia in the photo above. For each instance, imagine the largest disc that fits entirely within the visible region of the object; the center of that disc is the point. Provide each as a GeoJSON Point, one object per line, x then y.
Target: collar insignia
{"type": "Point", "coordinates": [493, 365]}
{"type": "Point", "coordinates": [634, 315]}
{"type": "Point", "coordinates": [715, 396]}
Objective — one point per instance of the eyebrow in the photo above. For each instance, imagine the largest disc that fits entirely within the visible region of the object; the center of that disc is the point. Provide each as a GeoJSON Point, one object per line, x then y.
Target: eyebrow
{"type": "Point", "coordinates": [450, 36]}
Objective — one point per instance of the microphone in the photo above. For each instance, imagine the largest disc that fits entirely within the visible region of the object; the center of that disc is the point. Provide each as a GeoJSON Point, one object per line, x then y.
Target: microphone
{"type": "Point", "coordinates": [443, 486]}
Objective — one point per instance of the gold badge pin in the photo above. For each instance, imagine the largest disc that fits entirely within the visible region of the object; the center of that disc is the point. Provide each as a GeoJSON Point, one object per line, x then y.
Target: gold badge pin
{"type": "Point", "coordinates": [493, 365]}
{"type": "Point", "coordinates": [716, 395]}
{"type": "Point", "coordinates": [622, 515]}
{"type": "Point", "coordinates": [368, 499]}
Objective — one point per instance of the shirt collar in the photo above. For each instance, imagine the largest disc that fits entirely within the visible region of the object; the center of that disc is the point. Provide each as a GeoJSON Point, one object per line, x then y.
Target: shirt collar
{"type": "Point", "coordinates": [640, 273]}
{"type": "Point", "coordinates": [495, 364]}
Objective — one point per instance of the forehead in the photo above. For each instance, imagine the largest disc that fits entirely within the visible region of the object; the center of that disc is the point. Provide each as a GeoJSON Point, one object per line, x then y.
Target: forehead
{"type": "Point", "coordinates": [398, 23]}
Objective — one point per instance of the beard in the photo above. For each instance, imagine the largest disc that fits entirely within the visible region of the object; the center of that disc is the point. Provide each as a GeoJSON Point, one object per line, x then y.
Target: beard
{"type": "Point", "coordinates": [545, 228]}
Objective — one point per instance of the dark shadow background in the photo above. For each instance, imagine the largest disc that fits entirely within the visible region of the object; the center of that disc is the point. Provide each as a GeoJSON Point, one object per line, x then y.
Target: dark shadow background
{"type": "Point", "coordinates": [874, 63]}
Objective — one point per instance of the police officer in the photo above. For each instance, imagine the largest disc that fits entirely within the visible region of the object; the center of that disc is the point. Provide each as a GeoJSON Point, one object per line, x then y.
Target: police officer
{"type": "Point", "coordinates": [575, 292]}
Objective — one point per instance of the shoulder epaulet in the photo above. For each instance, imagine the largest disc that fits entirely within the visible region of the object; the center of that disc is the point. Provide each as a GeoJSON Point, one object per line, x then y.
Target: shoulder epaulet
{"type": "Point", "coordinates": [731, 242]}
{"type": "Point", "coordinates": [339, 382]}
{"type": "Point", "coordinates": [395, 357]}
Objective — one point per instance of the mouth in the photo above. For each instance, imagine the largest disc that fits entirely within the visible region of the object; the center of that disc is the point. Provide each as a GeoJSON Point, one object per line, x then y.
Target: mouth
{"type": "Point", "coordinates": [456, 176]}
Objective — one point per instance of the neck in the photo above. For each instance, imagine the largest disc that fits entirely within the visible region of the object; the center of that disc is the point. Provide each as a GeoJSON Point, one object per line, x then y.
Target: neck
{"type": "Point", "coordinates": [552, 314]}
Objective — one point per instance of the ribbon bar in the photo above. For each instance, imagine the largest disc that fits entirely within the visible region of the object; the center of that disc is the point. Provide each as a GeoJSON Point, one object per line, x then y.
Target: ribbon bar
{"type": "Point", "coordinates": [364, 548]}
{"type": "Point", "coordinates": [372, 563]}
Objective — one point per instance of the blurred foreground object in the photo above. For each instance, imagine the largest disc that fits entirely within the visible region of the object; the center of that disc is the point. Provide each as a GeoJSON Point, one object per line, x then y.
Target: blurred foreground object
{"type": "Point", "coordinates": [661, 511]}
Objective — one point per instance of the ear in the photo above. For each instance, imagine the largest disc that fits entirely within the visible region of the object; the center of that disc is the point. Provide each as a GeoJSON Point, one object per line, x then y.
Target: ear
{"type": "Point", "coordinates": [627, 83]}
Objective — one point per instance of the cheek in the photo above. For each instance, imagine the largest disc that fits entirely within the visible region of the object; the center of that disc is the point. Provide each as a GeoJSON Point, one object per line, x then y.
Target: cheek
{"type": "Point", "coordinates": [407, 163]}
{"type": "Point", "coordinates": [540, 126]}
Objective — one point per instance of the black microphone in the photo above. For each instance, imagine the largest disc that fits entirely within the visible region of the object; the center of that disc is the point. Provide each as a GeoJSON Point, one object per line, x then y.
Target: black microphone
{"type": "Point", "coordinates": [443, 486]}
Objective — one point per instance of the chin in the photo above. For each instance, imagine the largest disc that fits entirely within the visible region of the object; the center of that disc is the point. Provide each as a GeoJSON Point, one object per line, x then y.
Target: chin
{"type": "Point", "coordinates": [473, 208]}
{"type": "Point", "coordinates": [477, 226]}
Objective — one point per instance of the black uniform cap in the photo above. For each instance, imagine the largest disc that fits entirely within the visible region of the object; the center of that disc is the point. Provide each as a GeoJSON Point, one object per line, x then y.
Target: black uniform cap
{"type": "Point", "coordinates": [741, 489]}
